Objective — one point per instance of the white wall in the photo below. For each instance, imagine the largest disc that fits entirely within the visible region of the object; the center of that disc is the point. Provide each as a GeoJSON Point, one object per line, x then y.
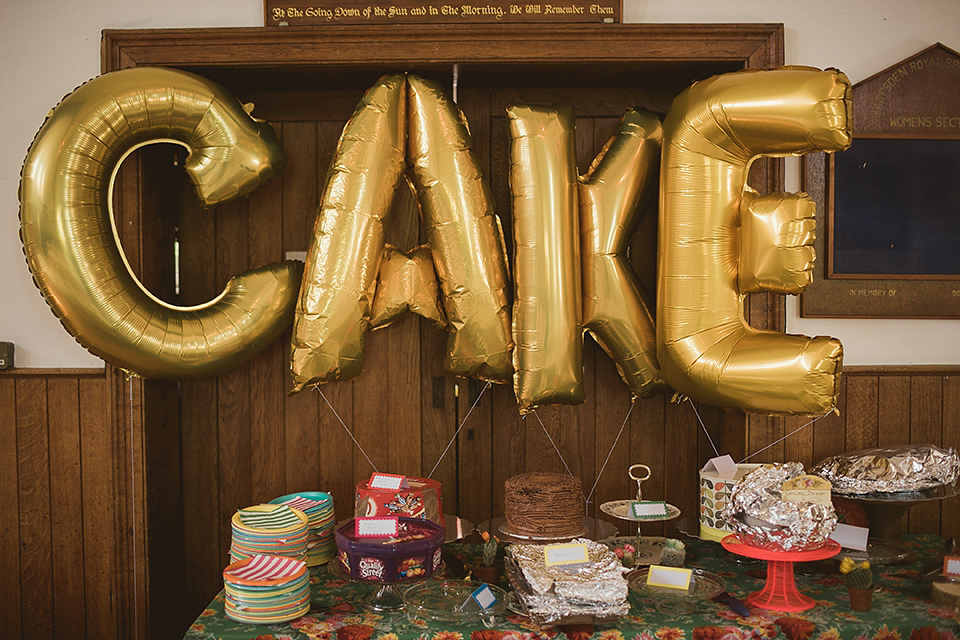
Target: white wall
{"type": "Point", "coordinates": [49, 47]}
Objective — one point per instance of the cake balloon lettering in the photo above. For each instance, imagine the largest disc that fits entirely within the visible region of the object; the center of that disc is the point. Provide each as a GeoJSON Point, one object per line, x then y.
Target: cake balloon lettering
{"type": "Point", "coordinates": [718, 240]}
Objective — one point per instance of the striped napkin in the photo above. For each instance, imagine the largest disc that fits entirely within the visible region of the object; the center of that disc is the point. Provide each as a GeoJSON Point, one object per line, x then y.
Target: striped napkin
{"type": "Point", "coordinates": [280, 518]}
{"type": "Point", "coordinates": [304, 504]}
{"type": "Point", "coordinates": [263, 567]}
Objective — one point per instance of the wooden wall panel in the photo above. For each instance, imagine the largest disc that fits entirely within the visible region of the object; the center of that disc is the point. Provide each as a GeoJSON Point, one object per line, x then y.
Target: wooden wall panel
{"type": "Point", "coordinates": [66, 512]}
{"type": "Point", "coordinates": [950, 433]}
{"type": "Point", "coordinates": [33, 462]}
{"type": "Point", "coordinates": [99, 498]}
{"type": "Point", "coordinates": [10, 572]}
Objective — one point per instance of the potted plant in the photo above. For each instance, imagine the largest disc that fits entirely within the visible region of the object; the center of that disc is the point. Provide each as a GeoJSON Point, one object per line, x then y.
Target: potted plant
{"type": "Point", "coordinates": [859, 580]}
{"type": "Point", "coordinates": [489, 571]}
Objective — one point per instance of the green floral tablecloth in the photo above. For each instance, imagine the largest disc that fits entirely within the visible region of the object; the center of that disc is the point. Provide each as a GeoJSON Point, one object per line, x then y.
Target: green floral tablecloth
{"type": "Point", "coordinates": [900, 611]}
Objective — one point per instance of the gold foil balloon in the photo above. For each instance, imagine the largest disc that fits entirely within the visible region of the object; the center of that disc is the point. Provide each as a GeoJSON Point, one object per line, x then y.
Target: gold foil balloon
{"type": "Point", "coordinates": [72, 248]}
{"type": "Point", "coordinates": [615, 307]}
{"type": "Point", "coordinates": [713, 131]}
{"type": "Point", "coordinates": [340, 277]}
{"type": "Point", "coordinates": [776, 242]}
{"type": "Point", "coordinates": [406, 282]}
{"type": "Point", "coordinates": [547, 324]}
{"type": "Point", "coordinates": [464, 233]}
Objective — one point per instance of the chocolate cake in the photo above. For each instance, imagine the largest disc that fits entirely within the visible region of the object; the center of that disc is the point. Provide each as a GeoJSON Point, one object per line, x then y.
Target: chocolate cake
{"type": "Point", "coordinates": [543, 505]}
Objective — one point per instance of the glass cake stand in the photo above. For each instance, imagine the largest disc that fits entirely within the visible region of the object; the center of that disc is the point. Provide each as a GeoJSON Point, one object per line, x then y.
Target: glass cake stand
{"type": "Point", "coordinates": [780, 591]}
{"type": "Point", "coordinates": [592, 528]}
{"type": "Point", "coordinates": [884, 513]}
{"type": "Point", "coordinates": [387, 597]}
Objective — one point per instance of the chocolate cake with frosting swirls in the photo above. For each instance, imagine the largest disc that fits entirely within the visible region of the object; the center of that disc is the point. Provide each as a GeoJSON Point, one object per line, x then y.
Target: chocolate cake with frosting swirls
{"type": "Point", "coordinates": [543, 505]}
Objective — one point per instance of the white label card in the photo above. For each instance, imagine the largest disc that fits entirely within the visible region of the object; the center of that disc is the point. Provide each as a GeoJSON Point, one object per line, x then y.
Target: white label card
{"type": "Point", "coordinates": [670, 577]}
{"type": "Point", "coordinates": [563, 554]}
{"type": "Point", "coordinates": [385, 527]}
{"type": "Point", "coordinates": [724, 466]}
{"type": "Point", "coordinates": [648, 509]}
{"type": "Point", "coordinates": [484, 597]}
{"type": "Point", "coordinates": [951, 566]}
{"type": "Point", "coordinates": [387, 481]}
{"type": "Point", "coordinates": [851, 537]}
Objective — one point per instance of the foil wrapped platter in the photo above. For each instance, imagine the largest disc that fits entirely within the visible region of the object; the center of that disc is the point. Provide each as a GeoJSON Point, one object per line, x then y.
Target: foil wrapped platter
{"type": "Point", "coordinates": [907, 469]}
{"type": "Point", "coordinates": [592, 593]}
{"type": "Point", "coordinates": [757, 512]}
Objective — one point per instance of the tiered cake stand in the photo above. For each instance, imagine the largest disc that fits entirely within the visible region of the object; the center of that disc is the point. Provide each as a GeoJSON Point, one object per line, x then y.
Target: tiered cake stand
{"type": "Point", "coordinates": [780, 591]}
{"type": "Point", "coordinates": [621, 508]}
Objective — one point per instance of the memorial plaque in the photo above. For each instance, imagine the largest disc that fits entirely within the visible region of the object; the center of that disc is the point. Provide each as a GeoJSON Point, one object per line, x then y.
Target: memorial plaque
{"type": "Point", "coordinates": [888, 208]}
{"type": "Point", "coordinates": [283, 13]}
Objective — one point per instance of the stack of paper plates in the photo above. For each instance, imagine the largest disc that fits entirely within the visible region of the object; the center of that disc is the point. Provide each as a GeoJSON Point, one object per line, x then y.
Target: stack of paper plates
{"type": "Point", "coordinates": [266, 589]}
{"type": "Point", "coordinates": [318, 506]}
{"type": "Point", "coordinates": [269, 529]}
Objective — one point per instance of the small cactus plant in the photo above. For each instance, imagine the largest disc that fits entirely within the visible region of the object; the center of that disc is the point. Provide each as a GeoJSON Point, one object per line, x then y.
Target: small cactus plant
{"type": "Point", "coordinates": [491, 547]}
{"type": "Point", "coordinates": [673, 553]}
{"type": "Point", "coordinates": [626, 555]}
{"type": "Point", "coordinates": [856, 575]}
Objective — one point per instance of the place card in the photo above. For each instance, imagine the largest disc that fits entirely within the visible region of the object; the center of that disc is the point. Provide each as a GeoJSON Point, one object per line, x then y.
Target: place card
{"type": "Point", "coordinates": [851, 537]}
{"type": "Point", "coordinates": [951, 566]}
{"type": "Point", "coordinates": [565, 554]}
{"type": "Point", "coordinates": [484, 597]}
{"type": "Point", "coordinates": [669, 577]}
{"type": "Point", "coordinates": [723, 466]}
{"type": "Point", "coordinates": [388, 481]}
{"type": "Point", "coordinates": [807, 488]}
{"type": "Point", "coordinates": [377, 527]}
{"type": "Point", "coordinates": [645, 509]}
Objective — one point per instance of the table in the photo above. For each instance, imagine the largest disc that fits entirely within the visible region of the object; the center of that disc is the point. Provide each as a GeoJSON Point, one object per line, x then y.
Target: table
{"type": "Point", "coordinates": [900, 610]}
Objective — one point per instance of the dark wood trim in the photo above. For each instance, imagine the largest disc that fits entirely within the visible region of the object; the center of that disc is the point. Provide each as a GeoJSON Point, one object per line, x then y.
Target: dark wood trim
{"type": "Point", "coordinates": [38, 372]}
{"type": "Point", "coordinates": [912, 370]}
{"type": "Point", "coordinates": [753, 45]}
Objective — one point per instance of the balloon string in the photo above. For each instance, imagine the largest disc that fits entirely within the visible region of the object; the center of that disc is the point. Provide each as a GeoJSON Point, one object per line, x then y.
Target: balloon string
{"type": "Point", "coordinates": [832, 410]}
{"type": "Point", "coordinates": [347, 429]}
{"type": "Point", "coordinates": [559, 455]}
{"type": "Point", "coordinates": [704, 427]}
{"type": "Point", "coordinates": [456, 81]}
{"type": "Point", "coordinates": [462, 422]}
{"type": "Point", "coordinates": [610, 453]}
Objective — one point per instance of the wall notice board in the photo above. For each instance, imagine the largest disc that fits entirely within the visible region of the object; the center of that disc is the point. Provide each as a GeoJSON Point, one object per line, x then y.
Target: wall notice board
{"type": "Point", "coordinates": [888, 208]}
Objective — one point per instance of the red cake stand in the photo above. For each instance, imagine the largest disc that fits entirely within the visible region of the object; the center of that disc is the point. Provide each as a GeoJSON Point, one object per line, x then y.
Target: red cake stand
{"type": "Point", "coordinates": [780, 592]}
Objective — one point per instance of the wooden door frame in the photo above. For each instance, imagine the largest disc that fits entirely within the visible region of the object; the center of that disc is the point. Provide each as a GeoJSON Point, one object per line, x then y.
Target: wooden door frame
{"type": "Point", "coordinates": [332, 49]}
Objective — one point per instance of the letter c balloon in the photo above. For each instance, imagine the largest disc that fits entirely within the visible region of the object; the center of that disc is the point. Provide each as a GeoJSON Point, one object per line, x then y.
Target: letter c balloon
{"type": "Point", "coordinates": [72, 247]}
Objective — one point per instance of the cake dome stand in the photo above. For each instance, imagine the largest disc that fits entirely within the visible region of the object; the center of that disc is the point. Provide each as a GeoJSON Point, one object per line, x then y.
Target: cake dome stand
{"type": "Point", "coordinates": [386, 598]}
{"type": "Point", "coordinates": [884, 513]}
{"type": "Point", "coordinates": [780, 591]}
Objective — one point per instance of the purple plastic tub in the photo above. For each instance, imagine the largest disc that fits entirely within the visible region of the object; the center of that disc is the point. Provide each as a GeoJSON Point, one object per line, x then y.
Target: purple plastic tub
{"type": "Point", "coordinates": [415, 556]}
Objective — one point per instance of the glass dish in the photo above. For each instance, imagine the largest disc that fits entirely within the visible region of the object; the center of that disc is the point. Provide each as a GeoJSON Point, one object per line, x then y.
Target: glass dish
{"type": "Point", "coordinates": [445, 600]}
{"type": "Point", "coordinates": [703, 586]}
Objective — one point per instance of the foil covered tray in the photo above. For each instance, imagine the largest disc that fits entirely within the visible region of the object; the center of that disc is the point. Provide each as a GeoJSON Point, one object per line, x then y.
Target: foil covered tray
{"type": "Point", "coordinates": [527, 603]}
{"type": "Point", "coordinates": [907, 468]}
{"type": "Point", "coordinates": [757, 512]}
